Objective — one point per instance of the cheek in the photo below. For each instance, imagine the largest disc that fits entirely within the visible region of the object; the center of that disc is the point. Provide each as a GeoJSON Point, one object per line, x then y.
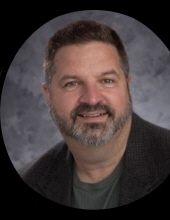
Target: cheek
{"type": "Point", "coordinates": [117, 100]}
{"type": "Point", "coordinates": [63, 103]}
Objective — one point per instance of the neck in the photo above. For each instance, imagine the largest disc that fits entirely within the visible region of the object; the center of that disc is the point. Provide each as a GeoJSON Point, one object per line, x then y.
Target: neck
{"type": "Point", "coordinates": [95, 163]}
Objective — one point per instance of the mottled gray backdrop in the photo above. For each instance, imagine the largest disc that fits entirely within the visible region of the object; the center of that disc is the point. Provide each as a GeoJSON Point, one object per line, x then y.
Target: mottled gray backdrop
{"type": "Point", "coordinates": [27, 128]}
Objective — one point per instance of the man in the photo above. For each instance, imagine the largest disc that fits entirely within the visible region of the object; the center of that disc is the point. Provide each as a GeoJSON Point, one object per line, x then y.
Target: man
{"type": "Point", "coordinates": [109, 156]}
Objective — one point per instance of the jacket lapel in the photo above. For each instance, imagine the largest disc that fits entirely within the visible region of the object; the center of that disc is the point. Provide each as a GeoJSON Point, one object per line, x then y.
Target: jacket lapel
{"type": "Point", "coordinates": [139, 176]}
{"type": "Point", "coordinates": [58, 184]}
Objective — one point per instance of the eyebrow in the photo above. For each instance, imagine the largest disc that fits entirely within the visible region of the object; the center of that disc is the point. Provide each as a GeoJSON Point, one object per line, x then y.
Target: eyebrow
{"type": "Point", "coordinates": [67, 77]}
{"type": "Point", "coordinates": [114, 72]}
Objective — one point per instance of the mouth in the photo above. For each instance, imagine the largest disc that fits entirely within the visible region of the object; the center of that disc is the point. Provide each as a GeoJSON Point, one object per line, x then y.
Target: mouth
{"type": "Point", "coordinates": [93, 116]}
{"type": "Point", "coordinates": [90, 115]}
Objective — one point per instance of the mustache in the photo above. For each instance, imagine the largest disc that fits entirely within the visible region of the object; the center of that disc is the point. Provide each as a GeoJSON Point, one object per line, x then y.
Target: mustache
{"type": "Point", "coordinates": [88, 108]}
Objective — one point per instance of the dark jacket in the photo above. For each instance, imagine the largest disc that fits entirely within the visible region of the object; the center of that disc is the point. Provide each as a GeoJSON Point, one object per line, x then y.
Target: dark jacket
{"type": "Point", "coordinates": [146, 166]}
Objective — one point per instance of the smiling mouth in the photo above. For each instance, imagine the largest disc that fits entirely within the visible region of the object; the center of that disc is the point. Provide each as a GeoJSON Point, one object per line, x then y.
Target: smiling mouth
{"type": "Point", "coordinates": [92, 115]}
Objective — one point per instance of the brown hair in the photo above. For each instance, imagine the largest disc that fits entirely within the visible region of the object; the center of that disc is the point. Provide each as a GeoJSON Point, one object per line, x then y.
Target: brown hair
{"type": "Point", "coordinates": [81, 32]}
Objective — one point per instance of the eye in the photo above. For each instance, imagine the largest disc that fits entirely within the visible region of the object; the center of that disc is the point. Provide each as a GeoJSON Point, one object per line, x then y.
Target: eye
{"type": "Point", "coordinates": [108, 81]}
{"type": "Point", "coordinates": [71, 84]}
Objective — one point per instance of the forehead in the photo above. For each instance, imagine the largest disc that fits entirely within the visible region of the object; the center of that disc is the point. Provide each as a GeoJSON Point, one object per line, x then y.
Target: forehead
{"type": "Point", "coordinates": [94, 47]}
{"type": "Point", "coordinates": [92, 55]}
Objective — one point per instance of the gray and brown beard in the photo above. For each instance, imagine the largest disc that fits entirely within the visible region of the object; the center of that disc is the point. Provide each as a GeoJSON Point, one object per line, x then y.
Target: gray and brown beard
{"type": "Point", "coordinates": [91, 134]}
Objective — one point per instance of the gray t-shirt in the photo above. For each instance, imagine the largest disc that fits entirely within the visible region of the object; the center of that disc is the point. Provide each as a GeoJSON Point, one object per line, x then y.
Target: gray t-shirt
{"type": "Point", "coordinates": [101, 195]}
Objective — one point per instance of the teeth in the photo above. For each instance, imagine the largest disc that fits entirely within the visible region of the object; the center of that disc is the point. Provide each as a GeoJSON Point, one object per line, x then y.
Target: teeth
{"type": "Point", "coordinates": [95, 115]}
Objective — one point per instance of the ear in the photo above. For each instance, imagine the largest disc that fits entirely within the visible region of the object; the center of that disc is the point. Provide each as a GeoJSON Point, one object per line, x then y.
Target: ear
{"type": "Point", "coordinates": [46, 92]}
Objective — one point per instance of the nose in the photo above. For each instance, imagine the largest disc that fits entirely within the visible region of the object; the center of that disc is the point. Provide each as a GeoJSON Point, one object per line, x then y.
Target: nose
{"type": "Point", "coordinates": [91, 95]}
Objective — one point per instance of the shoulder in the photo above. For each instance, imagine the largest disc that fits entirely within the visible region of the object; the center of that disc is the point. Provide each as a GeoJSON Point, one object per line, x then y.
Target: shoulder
{"type": "Point", "coordinates": [150, 130]}
{"type": "Point", "coordinates": [153, 143]}
{"type": "Point", "coordinates": [43, 165]}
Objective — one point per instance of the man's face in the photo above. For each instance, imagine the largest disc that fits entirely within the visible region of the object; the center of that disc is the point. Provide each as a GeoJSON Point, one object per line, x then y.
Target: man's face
{"type": "Point", "coordinates": [89, 98]}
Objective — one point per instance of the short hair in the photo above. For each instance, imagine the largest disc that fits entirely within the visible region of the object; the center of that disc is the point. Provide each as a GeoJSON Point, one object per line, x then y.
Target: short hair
{"type": "Point", "coordinates": [81, 32]}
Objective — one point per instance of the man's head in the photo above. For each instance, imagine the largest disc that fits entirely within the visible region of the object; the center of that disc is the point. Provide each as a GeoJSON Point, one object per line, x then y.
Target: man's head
{"type": "Point", "coordinates": [86, 82]}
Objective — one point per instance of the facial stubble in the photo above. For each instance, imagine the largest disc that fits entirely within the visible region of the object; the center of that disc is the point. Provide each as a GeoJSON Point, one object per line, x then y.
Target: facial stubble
{"type": "Point", "coordinates": [91, 134]}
